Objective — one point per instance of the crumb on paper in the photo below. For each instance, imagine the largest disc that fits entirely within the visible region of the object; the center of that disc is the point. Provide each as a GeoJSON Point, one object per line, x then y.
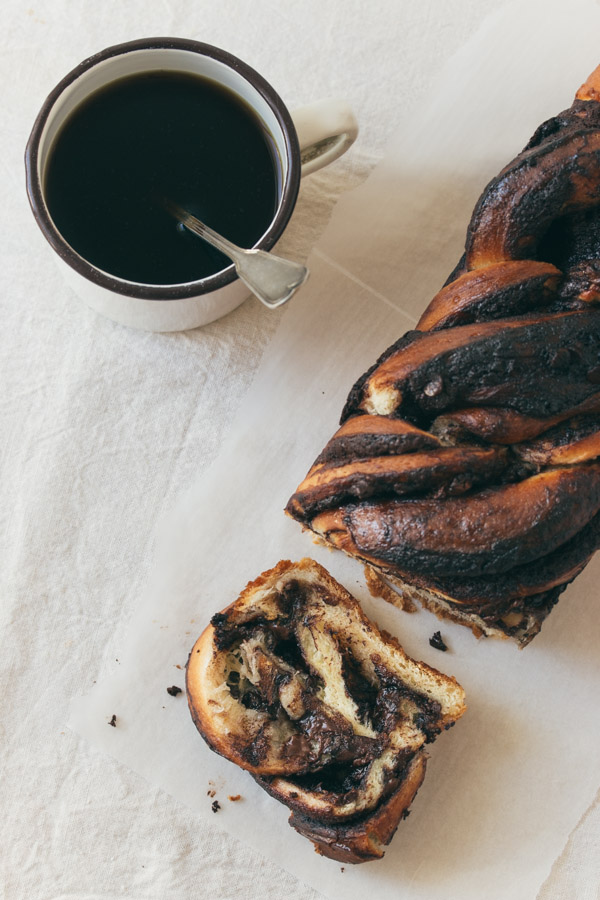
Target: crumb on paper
{"type": "Point", "coordinates": [177, 666]}
{"type": "Point", "coordinates": [174, 690]}
{"type": "Point", "coordinates": [113, 721]}
{"type": "Point", "coordinates": [215, 806]}
{"type": "Point", "coordinates": [234, 798]}
{"type": "Point", "coordinates": [341, 868]}
{"type": "Point", "coordinates": [211, 792]}
{"type": "Point", "coordinates": [378, 587]}
{"type": "Point", "coordinates": [437, 641]}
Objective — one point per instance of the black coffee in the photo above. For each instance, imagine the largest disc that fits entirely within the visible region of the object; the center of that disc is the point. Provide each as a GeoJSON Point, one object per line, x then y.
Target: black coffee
{"type": "Point", "coordinates": [150, 138]}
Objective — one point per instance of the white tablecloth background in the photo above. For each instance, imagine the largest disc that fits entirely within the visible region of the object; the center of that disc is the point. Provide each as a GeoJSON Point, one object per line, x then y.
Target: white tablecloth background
{"type": "Point", "coordinates": [103, 428]}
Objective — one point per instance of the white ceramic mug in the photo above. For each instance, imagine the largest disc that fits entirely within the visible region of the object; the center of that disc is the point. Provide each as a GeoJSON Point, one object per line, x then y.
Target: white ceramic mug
{"type": "Point", "coordinates": [306, 140]}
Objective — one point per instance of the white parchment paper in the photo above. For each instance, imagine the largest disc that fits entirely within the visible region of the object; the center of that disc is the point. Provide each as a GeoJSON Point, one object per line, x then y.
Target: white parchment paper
{"type": "Point", "coordinates": [508, 784]}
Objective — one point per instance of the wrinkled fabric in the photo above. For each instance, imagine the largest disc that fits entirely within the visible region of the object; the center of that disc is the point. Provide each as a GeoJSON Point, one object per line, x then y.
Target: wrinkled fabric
{"type": "Point", "coordinates": [102, 428]}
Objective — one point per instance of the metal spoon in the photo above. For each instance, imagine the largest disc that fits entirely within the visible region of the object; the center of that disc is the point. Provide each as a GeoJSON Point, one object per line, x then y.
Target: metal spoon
{"type": "Point", "coordinates": [272, 279]}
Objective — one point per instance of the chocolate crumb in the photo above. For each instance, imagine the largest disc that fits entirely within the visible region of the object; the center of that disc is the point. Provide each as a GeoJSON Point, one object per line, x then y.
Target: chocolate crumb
{"type": "Point", "coordinates": [177, 666]}
{"type": "Point", "coordinates": [235, 798]}
{"type": "Point", "coordinates": [113, 721]}
{"type": "Point", "coordinates": [436, 641]}
{"type": "Point", "coordinates": [211, 793]}
{"type": "Point", "coordinates": [174, 690]}
{"type": "Point", "coordinates": [215, 806]}
{"type": "Point", "coordinates": [341, 868]}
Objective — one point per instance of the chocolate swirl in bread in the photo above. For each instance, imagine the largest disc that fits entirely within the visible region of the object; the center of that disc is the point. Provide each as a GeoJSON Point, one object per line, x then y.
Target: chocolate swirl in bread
{"type": "Point", "coordinates": [467, 470]}
{"type": "Point", "coordinates": [294, 684]}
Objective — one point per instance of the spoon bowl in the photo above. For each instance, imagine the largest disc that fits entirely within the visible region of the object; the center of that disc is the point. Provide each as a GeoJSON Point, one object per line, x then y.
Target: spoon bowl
{"type": "Point", "coordinates": [271, 278]}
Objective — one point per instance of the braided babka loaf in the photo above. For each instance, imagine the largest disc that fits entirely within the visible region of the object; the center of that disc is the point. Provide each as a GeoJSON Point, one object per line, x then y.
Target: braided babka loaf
{"type": "Point", "coordinates": [294, 684]}
{"type": "Point", "coordinates": [466, 470]}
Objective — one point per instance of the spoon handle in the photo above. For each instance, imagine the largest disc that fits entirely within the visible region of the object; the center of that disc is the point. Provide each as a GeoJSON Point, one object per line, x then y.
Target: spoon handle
{"type": "Point", "coordinates": [204, 231]}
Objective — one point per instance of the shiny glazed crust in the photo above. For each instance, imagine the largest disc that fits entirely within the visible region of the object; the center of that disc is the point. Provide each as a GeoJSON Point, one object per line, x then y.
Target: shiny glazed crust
{"type": "Point", "coordinates": [294, 684]}
{"type": "Point", "coordinates": [466, 466]}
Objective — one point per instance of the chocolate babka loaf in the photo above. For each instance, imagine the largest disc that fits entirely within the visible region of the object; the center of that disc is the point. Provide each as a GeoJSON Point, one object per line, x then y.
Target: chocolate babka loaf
{"type": "Point", "coordinates": [466, 468]}
{"type": "Point", "coordinates": [294, 684]}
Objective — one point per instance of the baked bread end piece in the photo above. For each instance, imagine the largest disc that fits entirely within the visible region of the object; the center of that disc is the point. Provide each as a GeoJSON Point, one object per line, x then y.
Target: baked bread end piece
{"type": "Point", "coordinates": [296, 685]}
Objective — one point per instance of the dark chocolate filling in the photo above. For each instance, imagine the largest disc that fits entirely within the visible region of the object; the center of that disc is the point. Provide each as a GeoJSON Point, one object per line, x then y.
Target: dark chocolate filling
{"type": "Point", "coordinates": [336, 760]}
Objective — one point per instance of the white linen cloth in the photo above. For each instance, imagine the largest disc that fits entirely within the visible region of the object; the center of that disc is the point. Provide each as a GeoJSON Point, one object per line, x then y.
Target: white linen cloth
{"type": "Point", "coordinates": [104, 428]}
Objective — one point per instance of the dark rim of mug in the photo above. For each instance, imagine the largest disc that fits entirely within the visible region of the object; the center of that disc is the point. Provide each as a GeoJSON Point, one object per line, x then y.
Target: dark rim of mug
{"type": "Point", "coordinates": [172, 291]}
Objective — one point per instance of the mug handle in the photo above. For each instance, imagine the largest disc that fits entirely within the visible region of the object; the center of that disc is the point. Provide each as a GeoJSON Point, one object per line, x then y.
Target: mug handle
{"type": "Point", "coordinates": [325, 129]}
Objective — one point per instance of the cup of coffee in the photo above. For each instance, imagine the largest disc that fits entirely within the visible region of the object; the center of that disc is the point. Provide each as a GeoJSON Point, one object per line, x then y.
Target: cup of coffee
{"type": "Point", "coordinates": [162, 121]}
